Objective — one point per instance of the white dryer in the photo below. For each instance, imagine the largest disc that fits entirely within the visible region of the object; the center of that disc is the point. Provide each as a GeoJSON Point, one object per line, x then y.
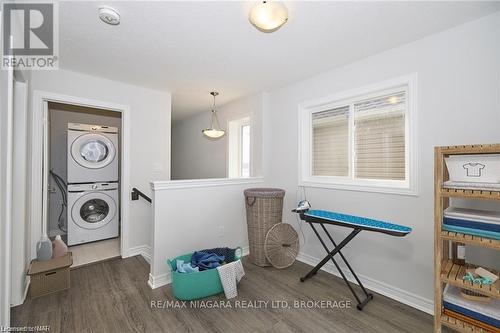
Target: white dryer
{"type": "Point", "coordinates": [93, 212]}
{"type": "Point", "coordinates": [92, 153]}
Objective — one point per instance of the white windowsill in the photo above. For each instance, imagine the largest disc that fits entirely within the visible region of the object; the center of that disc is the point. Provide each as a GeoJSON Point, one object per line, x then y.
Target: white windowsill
{"type": "Point", "coordinates": [360, 187]}
{"type": "Point", "coordinates": [193, 183]}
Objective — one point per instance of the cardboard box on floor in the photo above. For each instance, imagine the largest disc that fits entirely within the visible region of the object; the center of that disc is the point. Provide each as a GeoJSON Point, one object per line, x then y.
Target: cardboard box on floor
{"type": "Point", "coordinates": [50, 276]}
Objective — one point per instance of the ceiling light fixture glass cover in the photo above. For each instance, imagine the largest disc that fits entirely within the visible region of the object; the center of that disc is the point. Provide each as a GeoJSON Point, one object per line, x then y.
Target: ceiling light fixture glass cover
{"type": "Point", "coordinates": [109, 15]}
{"type": "Point", "coordinates": [214, 131]}
{"type": "Point", "coordinates": [268, 16]}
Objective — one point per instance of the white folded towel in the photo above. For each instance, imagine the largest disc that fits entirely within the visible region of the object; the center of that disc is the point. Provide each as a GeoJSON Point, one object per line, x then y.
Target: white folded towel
{"type": "Point", "coordinates": [230, 274]}
{"type": "Point", "coordinates": [472, 185]}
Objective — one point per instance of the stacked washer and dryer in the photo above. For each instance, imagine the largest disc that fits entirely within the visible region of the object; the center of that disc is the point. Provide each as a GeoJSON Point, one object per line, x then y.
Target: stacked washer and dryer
{"type": "Point", "coordinates": [93, 183]}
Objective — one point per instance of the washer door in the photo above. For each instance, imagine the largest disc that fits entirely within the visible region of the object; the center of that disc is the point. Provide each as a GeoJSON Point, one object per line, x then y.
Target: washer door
{"type": "Point", "coordinates": [93, 210]}
{"type": "Point", "coordinates": [93, 150]}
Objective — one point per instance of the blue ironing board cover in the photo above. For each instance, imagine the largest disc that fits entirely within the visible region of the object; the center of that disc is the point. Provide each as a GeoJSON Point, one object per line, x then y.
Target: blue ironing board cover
{"type": "Point", "coordinates": [361, 222]}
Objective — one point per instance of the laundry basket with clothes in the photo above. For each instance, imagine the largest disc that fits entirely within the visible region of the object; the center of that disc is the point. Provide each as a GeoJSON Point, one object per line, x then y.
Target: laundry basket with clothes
{"type": "Point", "coordinates": [196, 275]}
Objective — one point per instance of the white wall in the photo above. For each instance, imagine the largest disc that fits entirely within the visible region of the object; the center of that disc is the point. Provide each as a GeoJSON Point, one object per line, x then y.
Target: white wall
{"type": "Point", "coordinates": [59, 117]}
{"type": "Point", "coordinates": [20, 226]}
{"type": "Point", "coordinates": [193, 215]}
{"type": "Point", "coordinates": [149, 130]}
{"type": "Point", "coordinates": [195, 157]}
{"type": "Point", "coordinates": [458, 103]}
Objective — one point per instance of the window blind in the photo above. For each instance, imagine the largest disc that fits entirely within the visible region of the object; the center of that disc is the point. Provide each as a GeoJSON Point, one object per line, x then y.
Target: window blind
{"type": "Point", "coordinates": [330, 135]}
{"type": "Point", "coordinates": [379, 139]}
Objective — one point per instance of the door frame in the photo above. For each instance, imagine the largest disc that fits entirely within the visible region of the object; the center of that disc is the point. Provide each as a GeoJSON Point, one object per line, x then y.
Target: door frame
{"type": "Point", "coordinates": [20, 232]}
{"type": "Point", "coordinates": [39, 174]}
{"type": "Point", "coordinates": [6, 152]}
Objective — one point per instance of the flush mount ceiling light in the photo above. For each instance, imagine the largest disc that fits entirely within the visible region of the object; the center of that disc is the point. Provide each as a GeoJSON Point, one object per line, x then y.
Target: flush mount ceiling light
{"type": "Point", "coordinates": [268, 16]}
{"type": "Point", "coordinates": [214, 131]}
{"type": "Point", "coordinates": [109, 15]}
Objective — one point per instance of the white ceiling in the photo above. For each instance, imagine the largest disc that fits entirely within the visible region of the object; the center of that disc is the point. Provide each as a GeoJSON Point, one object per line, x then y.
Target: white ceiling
{"type": "Point", "coordinates": [191, 48]}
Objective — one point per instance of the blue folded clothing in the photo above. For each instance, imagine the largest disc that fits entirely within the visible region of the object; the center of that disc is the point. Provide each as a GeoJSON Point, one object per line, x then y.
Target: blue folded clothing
{"type": "Point", "coordinates": [204, 260]}
{"type": "Point", "coordinates": [226, 252]}
{"type": "Point", "coordinates": [474, 232]}
{"type": "Point", "coordinates": [494, 227]}
{"type": "Point", "coordinates": [185, 267]}
{"type": "Point", "coordinates": [486, 312]}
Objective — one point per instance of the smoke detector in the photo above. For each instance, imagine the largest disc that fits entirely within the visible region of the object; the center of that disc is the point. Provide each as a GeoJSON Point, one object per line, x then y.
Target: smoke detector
{"type": "Point", "coordinates": [109, 15]}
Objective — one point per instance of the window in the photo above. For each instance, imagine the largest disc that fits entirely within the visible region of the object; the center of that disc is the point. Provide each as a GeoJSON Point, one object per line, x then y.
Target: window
{"type": "Point", "coordinates": [245, 151]}
{"type": "Point", "coordinates": [379, 141]}
{"type": "Point", "coordinates": [361, 140]}
{"type": "Point", "coordinates": [239, 148]}
{"type": "Point", "coordinates": [331, 142]}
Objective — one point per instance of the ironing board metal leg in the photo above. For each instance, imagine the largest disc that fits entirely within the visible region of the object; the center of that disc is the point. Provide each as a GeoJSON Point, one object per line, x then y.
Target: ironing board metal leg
{"type": "Point", "coordinates": [345, 261]}
{"type": "Point", "coordinates": [330, 256]}
{"type": "Point", "coordinates": [331, 253]}
{"type": "Point", "coordinates": [361, 305]}
{"type": "Point", "coordinates": [335, 262]}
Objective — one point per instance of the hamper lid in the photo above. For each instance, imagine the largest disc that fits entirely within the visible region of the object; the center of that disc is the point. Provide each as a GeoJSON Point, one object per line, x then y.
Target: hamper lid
{"type": "Point", "coordinates": [264, 192]}
{"type": "Point", "coordinates": [37, 267]}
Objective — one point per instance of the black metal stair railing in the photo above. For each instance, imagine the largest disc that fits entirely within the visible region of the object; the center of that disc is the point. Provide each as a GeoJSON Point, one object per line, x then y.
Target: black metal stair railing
{"type": "Point", "coordinates": [136, 194]}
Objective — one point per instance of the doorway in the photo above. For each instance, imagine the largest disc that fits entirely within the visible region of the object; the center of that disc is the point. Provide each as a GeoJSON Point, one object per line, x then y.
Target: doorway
{"type": "Point", "coordinates": [83, 183]}
{"type": "Point", "coordinates": [89, 212]}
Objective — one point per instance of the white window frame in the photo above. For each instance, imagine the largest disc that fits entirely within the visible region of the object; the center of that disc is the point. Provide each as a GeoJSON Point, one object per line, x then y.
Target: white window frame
{"type": "Point", "coordinates": [234, 167]}
{"type": "Point", "coordinates": [409, 186]}
{"type": "Point", "coordinates": [240, 145]}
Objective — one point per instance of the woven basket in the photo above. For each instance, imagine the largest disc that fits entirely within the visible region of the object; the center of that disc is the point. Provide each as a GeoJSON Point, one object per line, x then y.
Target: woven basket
{"type": "Point", "coordinates": [282, 245]}
{"type": "Point", "coordinates": [264, 208]}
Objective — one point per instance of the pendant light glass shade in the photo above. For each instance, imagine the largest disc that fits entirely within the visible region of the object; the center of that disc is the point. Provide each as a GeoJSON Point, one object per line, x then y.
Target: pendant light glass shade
{"type": "Point", "coordinates": [268, 16]}
{"type": "Point", "coordinates": [214, 131]}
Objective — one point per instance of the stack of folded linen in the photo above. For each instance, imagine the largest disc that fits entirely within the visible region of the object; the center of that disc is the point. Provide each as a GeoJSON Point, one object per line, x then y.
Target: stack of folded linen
{"type": "Point", "coordinates": [483, 314]}
{"type": "Point", "coordinates": [472, 185]}
{"type": "Point", "coordinates": [473, 222]}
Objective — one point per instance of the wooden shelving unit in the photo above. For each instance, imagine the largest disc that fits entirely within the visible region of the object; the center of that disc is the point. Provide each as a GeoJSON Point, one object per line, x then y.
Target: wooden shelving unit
{"type": "Point", "coordinates": [470, 194]}
{"type": "Point", "coordinates": [470, 239]}
{"type": "Point", "coordinates": [445, 271]}
{"type": "Point", "coordinates": [461, 326]}
{"type": "Point", "coordinates": [452, 273]}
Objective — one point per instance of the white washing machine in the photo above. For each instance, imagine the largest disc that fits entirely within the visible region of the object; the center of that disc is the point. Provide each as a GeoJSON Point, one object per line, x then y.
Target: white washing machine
{"type": "Point", "coordinates": [93, 212]}
{"type": "Point", "coordinates": [92, 153]}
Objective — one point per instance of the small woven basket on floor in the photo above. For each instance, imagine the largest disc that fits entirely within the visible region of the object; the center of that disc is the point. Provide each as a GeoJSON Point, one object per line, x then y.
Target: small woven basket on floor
{"type": "Point", "coordinates": [282, 245]}
{"type": "Point", "coordinates": [264, 207]}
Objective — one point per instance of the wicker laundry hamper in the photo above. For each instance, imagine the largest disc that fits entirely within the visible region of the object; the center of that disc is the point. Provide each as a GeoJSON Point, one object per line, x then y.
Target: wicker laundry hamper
{"type": "Point", "coordinates": [264, 208]}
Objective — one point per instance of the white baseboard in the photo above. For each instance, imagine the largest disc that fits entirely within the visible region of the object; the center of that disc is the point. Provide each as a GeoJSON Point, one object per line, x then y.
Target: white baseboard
{"type": "Point", "coordinates": [405, 297]}
{"type": "Point", "coordinates": [159, 280]}
{"type": "Point", "coordinates": [164, 279]}
{"type": "Point", "coordinates": [143, 250]}
{"type": "Point", "coordinates": [26, 287]}
{"type": "Point", "coordinates": [20, 299]}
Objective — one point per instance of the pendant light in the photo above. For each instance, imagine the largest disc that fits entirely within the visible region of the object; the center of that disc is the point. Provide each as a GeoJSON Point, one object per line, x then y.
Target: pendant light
{"type": "Point", "coordinates": [268, 16]}
{"type": "Point", "coordinates": [214, 131]}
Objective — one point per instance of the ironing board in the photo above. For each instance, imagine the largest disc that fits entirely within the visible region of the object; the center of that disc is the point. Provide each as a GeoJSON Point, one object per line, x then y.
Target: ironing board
{"type": "Point", "coordinates": [358, 224]}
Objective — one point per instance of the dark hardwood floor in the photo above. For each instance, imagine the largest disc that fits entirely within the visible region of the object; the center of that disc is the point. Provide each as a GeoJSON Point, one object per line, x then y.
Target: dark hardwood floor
{"type": "Point", "coordinates": [113, 296]}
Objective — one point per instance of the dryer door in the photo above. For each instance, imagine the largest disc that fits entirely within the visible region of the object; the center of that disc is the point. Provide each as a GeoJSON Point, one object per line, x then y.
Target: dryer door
{"type": "Point", "coordinates": [93, 210]}
{"type": "Point", "coordinates": [93, 150]}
